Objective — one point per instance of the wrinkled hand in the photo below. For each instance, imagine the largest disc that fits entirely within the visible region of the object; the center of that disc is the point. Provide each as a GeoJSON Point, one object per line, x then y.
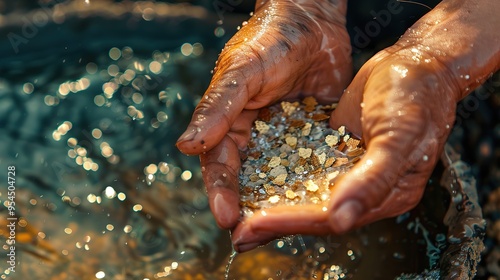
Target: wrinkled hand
{"type": "Point", "coordinates": [285, 50]}
{"type": "Point", "coordinates": [403, 103]}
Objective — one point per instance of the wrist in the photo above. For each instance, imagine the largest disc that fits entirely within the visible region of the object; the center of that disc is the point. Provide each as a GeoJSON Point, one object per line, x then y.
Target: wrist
{"type": "Point", "coordinates": [458, 35]}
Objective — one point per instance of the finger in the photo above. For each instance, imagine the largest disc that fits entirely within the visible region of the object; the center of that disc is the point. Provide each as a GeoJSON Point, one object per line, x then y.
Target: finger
{"type": "Point", "coordinates": [245, 239]}
{"type": "Point", "coordinates": [220, 173]}
{"type": "Point", "coordinates": [272, 223]}
{"type": "Point", "coordinates": [220, 168]}
{"type": "Point", "coordinates": [365, 193]}
{"type": "Point", "coordinates": [348, 111]}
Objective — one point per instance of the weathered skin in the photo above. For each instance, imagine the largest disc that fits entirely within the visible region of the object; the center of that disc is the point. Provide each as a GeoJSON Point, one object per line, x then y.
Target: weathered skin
{"type": "Point", "coordinates": [402, 102]}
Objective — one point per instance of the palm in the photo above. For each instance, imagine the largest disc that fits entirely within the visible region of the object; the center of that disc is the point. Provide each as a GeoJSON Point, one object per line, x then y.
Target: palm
{"type": "Point", "coordinates": [284, 51]}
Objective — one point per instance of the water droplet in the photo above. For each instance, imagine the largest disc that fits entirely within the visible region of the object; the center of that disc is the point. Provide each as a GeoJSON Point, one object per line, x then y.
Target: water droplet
{"type": "Point", "coordinates": [229, 262]}
{"type": "Point", "coordinates": [425, 158]}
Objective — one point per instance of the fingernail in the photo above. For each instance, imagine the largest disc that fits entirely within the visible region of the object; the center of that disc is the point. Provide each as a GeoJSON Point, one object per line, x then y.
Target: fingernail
{"type": "Point", "coordinates": [346, 216]}
{"type": "Point", "coordinates": [246, 247]}
{"type": "Point", "coordinates": [225, 212]}
{"type": "Point", "coordinates": [188, 135]}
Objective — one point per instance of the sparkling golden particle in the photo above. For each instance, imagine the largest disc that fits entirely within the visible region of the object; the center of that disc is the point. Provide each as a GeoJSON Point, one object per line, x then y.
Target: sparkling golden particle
{"type": "Point", "coordinates": [305, 152]}
{"type": "Point", "coordinates": [290, 194]}
{"type": "Point", "coordinates": [352, 143]}
{"type": "Point", "coordinates": [311, 186]}
{"type": "Point", "coordinates": [261, 127]}
{"type": "Point", "coordinates": [321, 158]}
{"type": "Point", "coordinates": [291, 141]}
{"type": "Point", "coordinates": [341, 130]}
{"type": "Point", "coordinates": [274, 199]}
{"type": "Point", "coordinates": [269, 189]}
{"type": "Point", "coordinates": [275, 161]}
{"type": "Point", "coordinates": [289, 108]}
{"type": "Point", "coordinates": [280, 179]}
{"type": "Point", "coordinates": [306, 130]}
{"type": "Point", "coordinates": [299, 169]}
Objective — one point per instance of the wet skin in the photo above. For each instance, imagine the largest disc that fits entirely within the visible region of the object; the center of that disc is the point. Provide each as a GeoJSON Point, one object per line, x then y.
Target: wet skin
{"type": "Point", "coordinates": [402, 102]}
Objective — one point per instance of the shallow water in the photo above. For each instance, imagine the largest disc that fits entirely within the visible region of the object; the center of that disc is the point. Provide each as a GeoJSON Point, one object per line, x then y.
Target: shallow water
{"type": "Point", "coordinates": [90, 109]}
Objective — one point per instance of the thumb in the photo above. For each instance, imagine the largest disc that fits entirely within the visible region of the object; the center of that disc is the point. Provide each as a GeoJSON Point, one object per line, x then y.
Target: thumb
{"type": "Point", "coordinates": [348, 111]}
{"type": "Point", "coordinates": [357, 198]}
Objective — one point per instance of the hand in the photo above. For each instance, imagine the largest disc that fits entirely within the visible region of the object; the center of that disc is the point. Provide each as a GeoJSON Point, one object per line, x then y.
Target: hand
{"type": "Point", "coordinates": [285, 50]}
{"type": "Point", "coordinates": [403, 103]}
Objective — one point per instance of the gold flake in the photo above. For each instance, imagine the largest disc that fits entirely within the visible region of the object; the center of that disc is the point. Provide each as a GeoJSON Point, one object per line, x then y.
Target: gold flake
{"type": "Point", "coordinates": [329, 162]}
{"type": "Point", "coordinates": [290, 194]}
{"type": "Point", "coordinates": [291, 141]}
{"type": "Point", "coordinates": [341, 130]}
{"type": "Point", "coordinates": [306, 130]}
{"type": "Point", "coordinates": [289, 108]}
{"type": "Point", "coordinates": [305, 152]}
{"type": "Point", "coordinates": [269, 189]}
{"type": "Point", "coordinates": [280, 179]}
{"type": "Point", "coordinates": [261, 127]}
{"type": "Point", "coordinates": [352, 143]}
{"type": "Point", "coordinates": [311, 186]}
{"type": "Point", "coordinates": [275, 161]}
{"type": "Point", "coordinates": [332, 140]}
{"type": "Point", "coordinates": [274, 199]}
{"type": "Point", "coordinates": [299, 169]}
{"type": "Point", "coordinates": [321, 158]}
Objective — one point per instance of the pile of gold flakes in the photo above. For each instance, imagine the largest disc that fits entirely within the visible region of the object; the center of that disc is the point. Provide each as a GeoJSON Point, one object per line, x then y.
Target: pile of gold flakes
{"type": "Point", "coordinates": [294, 157]}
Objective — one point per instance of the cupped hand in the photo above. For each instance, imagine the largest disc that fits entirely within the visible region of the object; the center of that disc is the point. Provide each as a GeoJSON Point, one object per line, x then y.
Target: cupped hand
{"type": "Point", "coordinates": [286, 50]}
{"type": "Point", "coordinates": [403, 103]}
